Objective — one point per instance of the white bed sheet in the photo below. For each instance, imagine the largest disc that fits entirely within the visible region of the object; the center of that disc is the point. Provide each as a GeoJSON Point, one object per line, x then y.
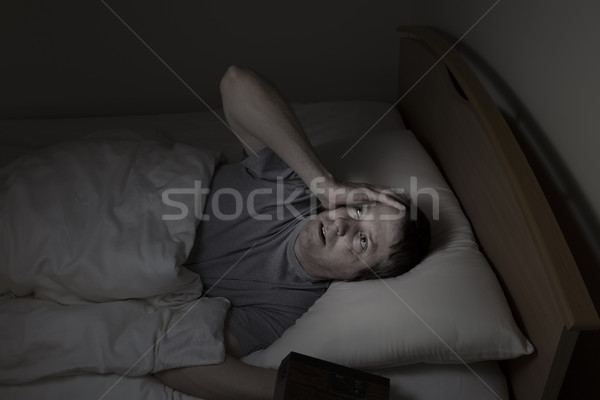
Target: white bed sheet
{"type": "Point", "coordinates": [410, 382]}
{"type": "Point", "coordinates": [481, 381]}
{"type": "Point", "coordinates": [421, 381]}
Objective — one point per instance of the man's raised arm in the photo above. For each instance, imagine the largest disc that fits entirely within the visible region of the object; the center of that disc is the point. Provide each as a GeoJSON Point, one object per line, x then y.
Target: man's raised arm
{"type": "Point", "coordinates": [260, 117]}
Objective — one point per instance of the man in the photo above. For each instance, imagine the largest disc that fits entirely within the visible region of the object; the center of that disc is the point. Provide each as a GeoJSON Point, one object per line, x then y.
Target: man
{"type": "Point", "coordinates": [275, 257]}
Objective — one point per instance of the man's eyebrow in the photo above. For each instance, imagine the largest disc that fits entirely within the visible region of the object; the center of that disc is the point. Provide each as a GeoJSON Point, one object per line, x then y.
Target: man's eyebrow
{"type": "Point", "coordinates": [369, 204]}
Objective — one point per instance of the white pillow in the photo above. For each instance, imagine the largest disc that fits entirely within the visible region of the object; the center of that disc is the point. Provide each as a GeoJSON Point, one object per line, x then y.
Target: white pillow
{"type": "Point", "coordinates": [448, 309]}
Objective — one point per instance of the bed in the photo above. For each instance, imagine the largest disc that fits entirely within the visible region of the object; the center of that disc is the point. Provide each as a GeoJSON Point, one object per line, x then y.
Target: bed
{"type": "Point", "coordinates": [482, 164]}
{"type": "Point", "coordinates": [543, 283]}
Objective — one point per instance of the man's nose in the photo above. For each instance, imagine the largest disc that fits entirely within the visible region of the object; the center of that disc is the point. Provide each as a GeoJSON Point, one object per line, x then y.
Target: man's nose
{"type": "Point", "coordinates": [341, 226]}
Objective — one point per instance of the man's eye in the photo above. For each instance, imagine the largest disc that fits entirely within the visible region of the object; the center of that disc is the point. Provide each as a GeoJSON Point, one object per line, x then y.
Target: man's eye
{"type": "Point", "coordinates": [358, 211]}
{"type": "Point", "coordinates": [363, 241]}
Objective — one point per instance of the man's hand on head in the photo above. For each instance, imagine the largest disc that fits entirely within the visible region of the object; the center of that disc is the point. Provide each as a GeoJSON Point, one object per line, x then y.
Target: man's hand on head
{"type": "Point", "coordinates": [334, 193]}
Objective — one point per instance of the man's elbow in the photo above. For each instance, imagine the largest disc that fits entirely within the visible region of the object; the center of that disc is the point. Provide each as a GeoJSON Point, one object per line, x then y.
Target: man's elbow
{"type": "Point", "coordinates": [233, 76]}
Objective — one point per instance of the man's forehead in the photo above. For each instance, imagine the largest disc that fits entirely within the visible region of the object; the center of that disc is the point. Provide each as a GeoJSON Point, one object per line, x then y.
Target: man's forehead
{"type": "Point", "coordinates": [384, 212]}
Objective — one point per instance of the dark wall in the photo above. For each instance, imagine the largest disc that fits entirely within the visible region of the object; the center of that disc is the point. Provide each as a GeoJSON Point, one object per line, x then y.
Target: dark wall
{"type": "Point", "coordinates": [77, 58]}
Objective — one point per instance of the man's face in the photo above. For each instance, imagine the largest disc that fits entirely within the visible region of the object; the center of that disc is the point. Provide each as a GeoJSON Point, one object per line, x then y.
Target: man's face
{"type": "Point", "coordinates": [339, 243]}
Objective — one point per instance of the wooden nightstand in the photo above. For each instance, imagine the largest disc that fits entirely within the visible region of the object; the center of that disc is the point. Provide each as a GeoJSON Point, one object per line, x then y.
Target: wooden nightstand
{"type": "Point", "coordinates": [302, 377]}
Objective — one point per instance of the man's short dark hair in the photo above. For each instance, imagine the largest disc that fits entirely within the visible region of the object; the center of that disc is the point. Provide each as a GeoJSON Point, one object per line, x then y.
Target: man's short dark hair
{"type": "Point", "coordinates": [408, 251]}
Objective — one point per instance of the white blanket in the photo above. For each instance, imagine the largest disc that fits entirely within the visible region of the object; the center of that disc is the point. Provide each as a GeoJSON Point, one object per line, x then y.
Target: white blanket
{"type": "Point", "coordinates": [92, 236]}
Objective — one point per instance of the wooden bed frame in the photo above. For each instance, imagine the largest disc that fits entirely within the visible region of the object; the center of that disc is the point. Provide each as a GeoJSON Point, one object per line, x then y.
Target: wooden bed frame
{"type": "Point", "coordinates": [456, 120]}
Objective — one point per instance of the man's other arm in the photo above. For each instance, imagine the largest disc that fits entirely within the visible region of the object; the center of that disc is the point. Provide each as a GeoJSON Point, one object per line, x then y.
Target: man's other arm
{"type": "Point", "coordinates": [230, 380]}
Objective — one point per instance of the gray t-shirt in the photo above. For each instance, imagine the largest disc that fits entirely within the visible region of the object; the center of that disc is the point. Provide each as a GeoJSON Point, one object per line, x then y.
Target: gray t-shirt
{"type": "Point", "coordinates": [244, 251]}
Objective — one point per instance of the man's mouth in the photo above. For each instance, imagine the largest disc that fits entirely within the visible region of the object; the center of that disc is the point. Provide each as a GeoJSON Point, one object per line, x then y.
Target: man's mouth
{"type": "Point", "coordinates": [323, 233]}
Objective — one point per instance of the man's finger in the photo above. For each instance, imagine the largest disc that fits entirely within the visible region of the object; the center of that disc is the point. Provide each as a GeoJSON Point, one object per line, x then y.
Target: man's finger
{"type": "Point", "coordinates": [390, 201]}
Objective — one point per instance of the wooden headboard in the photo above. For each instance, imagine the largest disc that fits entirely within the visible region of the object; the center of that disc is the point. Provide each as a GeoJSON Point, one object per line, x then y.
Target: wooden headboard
{"type": "Point", "coordinates": [453, 116]}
